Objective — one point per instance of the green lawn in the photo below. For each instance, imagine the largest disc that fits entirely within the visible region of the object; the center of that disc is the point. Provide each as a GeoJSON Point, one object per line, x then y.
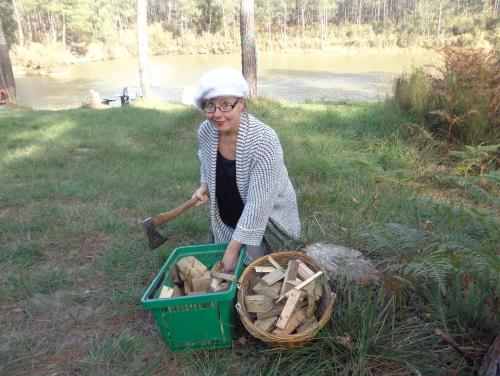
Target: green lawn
{"type": "Point", "coordinates": [74, 264]}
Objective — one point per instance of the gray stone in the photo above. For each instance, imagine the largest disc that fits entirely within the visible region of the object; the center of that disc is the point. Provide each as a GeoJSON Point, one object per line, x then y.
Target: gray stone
{"type": "Point", "coordinates": [341, 261]}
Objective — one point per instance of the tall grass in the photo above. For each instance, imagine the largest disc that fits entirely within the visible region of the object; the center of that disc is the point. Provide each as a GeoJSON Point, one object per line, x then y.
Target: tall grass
{"type": "Point", "coordinates": [73, 263]}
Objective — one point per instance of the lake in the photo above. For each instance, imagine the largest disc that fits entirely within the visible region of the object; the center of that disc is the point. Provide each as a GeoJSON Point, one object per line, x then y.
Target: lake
{"type": "Point", "coordinates": [293, 77]}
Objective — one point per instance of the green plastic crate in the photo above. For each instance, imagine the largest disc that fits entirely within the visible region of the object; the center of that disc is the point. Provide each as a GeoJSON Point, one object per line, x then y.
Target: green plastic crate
{"type": "Point", "coordinates": [199, 321]}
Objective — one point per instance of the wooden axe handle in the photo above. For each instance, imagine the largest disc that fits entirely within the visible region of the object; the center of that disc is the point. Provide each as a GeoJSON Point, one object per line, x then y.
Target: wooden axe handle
{"type": "Point", "coordinates": [167, 216]}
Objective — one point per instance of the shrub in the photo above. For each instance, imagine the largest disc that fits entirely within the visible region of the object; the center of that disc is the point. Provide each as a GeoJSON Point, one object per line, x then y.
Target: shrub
{"type": "Point", "coordinates": [462, 103]}
{"type": "Point", "coordinates": [412, 92]}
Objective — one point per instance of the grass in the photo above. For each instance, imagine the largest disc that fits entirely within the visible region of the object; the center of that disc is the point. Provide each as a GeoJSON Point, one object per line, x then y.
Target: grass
{"type": "Point", "coordinates": [73, 263]}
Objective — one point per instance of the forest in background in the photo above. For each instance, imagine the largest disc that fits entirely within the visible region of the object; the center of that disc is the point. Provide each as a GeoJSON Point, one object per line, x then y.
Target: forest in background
{"type": "Point", "coordinates": [46, 34]}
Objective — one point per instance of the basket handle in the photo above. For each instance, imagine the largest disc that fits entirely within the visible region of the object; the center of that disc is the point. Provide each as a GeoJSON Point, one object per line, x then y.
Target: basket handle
{"type": "Point", "coordinates": [238, 308]}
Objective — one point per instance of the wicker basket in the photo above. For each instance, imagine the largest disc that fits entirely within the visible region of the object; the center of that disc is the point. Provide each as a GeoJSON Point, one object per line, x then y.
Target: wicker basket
{"type": "Point", "coordinates": [323, 313]}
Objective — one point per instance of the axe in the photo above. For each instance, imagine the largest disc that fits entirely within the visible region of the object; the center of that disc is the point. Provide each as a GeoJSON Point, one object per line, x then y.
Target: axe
{"type": "Point", "coordinates": [155, 239]}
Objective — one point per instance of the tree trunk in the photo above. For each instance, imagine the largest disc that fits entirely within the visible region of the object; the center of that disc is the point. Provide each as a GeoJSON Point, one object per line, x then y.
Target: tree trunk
{"type": "Point", "coordinates": [64, 29]}
{"type": "Point", "coordinates": [248, 48]}
{"type": "Point", "coordinates": [6, 74]}
{"type": "Point", "coordinates": [224, 20]}
{"type": "Point", "coordinates": [302, 19]}
{"type": "Point", "coordinates": [20, 34]}
{"type": "Point", "coordinates": [439, 20]}
{"type": "Point", "coordinates": [142, 46]}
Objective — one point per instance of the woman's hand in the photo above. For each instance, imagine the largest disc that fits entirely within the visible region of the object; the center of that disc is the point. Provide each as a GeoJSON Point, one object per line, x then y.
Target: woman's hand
{"type": "Point", "coordinates": [231, 256]}
{"type": "Point", "coordinates": [201, 194]}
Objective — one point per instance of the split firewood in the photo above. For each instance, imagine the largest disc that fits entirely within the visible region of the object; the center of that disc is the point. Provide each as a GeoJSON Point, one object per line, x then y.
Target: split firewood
{"type": "Point", "coordinates": [198, 266]}
{"type": "Point", "coordinates": [301, 285]}
{"type": "Point", "coordinates": [266, 325]}
{"type": "Point", "coordinates": [293, 323]}
{"type": "Point", "coordinates": [258, 303]}
{"type": "Point", "coordinates": [311, 306]}
{"type": "Point", "coordinates": [177, 291]}
{"type": "Point", "coordinates": [290, 276]}
{"type": "Point", "coordinates": [174, 274]}
{"type": "Point", "coordinates": [289, 308]}
{"type": "Point", "coordinates": [304, 272]}
{"type": "Point", "coordinates": [273, 277]}
{"type": "Point", "coordinates": [275, 311]}
{"type": "Point", "coordinates": [272, 291]}
{"type": "Point", "coordinates": [308, 324]}
{"type": "Point", "coordinates": [187, 289]}
{"type": "Point", "coordinates": [224, 286]}
{"type": "Point", "coordinates": [217, 267]}
{"type": "Point", "coordinates": [202, 283]}
{"type": "Point", "coordinates": [275, 264]}
{"type": "Point", "coordinates": [264, 269]}
{"type": "Point", "coordinates": [225, 276]}
{"type": "Point", "coordinates": [314, 289]}
{"type": "Point", "coordinates": [166, 292]}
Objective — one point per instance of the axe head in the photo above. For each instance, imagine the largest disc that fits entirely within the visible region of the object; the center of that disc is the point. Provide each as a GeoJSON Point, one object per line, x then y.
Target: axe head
{"type": "Point", "coordinates": [155, 239]}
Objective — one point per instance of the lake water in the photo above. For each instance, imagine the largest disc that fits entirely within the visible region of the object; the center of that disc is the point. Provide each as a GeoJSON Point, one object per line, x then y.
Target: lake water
{"type": "Point", "coordinates": [294, 77]}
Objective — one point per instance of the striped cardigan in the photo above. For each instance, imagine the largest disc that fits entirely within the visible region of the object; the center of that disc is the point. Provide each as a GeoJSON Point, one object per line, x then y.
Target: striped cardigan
{"type": "Point", "coordinates": [262, 180]}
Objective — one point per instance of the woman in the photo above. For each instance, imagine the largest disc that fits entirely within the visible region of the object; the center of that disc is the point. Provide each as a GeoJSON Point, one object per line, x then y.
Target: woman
{"type": "Point", "coordinates": [243, 177]}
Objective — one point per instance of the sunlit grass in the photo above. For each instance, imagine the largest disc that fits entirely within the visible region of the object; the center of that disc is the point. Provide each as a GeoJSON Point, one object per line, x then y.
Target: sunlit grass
{"type": "Point", "coordinates": [73, 263]}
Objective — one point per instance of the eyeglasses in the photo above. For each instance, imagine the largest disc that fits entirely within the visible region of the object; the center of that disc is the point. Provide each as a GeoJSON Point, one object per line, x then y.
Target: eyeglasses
{"type": "Point", "coordinates": [210, 108]}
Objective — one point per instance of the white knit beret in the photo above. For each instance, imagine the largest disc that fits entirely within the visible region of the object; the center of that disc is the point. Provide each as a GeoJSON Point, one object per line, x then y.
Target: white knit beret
{"type": "Point", "coordinates": [220, 82]}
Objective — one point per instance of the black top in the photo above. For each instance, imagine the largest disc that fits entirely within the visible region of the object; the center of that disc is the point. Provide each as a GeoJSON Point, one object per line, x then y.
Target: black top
{"type": "Point", "coordinates": [228, 197]}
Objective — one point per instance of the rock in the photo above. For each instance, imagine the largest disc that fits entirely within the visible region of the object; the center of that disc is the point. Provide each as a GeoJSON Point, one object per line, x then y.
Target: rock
{"type": "Point", "coordinates": [343, 261]}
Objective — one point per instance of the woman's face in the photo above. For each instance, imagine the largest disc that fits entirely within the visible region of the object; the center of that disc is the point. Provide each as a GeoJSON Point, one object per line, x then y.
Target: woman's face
{"type": "Point", "coordinates": [224, 121]}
